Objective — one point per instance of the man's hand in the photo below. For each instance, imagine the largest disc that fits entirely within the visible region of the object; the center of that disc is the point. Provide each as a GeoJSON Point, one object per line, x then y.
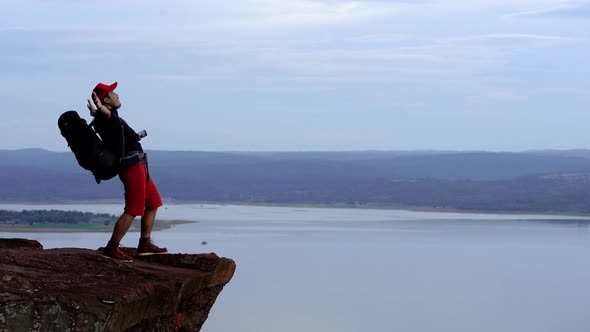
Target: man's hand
{"type": "Point", "coordinates": [91, 108]}
{"type": "Point", "coordinates": [99, 107]}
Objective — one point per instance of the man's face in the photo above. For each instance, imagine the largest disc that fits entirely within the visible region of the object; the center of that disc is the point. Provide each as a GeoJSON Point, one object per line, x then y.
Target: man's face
{"type": "Point", "coordinates": [112, 99]}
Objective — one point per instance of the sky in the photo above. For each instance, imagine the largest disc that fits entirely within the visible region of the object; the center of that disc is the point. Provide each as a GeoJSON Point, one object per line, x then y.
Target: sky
{"type": "Point", "coordinates": [294, 75]}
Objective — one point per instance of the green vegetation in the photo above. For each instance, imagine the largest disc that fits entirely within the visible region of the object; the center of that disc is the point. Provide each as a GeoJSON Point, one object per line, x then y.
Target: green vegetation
{"type": "Point", "coordinates": [67, 221]}
{"type": "Point", "coordinates": [44, 218]}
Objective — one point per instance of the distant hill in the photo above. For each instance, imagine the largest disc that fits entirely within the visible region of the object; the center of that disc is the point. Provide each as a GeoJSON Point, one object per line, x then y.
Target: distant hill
{"type": "Point", "coordinates": [564, 153]}
{"type": "Point", "coordinates": [540, 181]}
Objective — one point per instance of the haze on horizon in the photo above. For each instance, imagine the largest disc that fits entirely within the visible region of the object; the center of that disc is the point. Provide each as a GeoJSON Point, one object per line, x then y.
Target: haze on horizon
{"type": "Point", "coordinates": [295, 75]}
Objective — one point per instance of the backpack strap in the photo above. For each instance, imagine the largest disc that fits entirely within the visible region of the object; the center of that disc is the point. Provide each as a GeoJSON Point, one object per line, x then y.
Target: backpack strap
{"type": "Point", "coordinates": [122, 141]}
{"type": "Point", "coordinates": [91, 124]}
{"type": "Point", "coordinates": [123, 123]}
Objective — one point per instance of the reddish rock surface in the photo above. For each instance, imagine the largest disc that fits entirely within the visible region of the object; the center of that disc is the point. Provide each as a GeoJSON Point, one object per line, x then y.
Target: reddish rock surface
{"type": "Point", "coordinates": [80, 290]}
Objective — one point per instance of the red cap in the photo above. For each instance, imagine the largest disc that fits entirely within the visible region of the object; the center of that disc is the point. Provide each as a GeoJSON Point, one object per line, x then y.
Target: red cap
{"type": "Point", "coordinates": [102, 90]}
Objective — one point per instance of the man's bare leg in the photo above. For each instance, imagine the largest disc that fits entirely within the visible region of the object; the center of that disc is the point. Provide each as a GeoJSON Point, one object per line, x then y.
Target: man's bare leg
{"type": "Point", "coordinates": [112, 248]}
{"type": "Point", "coordinates": [121, 227]}
{"type": "Point", "coordinates": [147, 222]}
{"type": "Point", "coordinates": [146, 246]}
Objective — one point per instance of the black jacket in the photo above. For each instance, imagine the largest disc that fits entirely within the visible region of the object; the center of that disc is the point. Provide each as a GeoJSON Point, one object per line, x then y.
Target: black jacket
{"type": "Point", "coordinates": [110, 132]}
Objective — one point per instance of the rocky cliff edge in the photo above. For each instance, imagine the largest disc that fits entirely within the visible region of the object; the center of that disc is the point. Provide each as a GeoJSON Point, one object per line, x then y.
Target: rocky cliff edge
{"type": "Point", "coordinates": [74, 289]}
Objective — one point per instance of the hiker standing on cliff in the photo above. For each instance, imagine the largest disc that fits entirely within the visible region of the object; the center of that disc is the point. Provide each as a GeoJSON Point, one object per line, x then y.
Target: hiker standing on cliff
{"type": "Point", "coordinates": [141, 195]}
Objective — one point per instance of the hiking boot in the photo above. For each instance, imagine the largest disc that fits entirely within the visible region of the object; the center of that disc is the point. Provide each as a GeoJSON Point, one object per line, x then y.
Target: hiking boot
{"type": "Point", "coordinates": [146, 247]}
{"type": "Point", "coordinates": [115, 253]}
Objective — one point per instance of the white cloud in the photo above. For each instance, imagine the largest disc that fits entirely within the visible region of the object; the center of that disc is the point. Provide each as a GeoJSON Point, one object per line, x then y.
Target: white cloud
{"type": "Point", "coordinates": [379, 38]}
{"type": "Point", "coordinates": [519, 37]}
{"type": "Point", "coordinates": [289, 13]}
{"type": "Point", "coordinates": [567, 9]}
{"type": "Point", "coordinates": [32, 28]}
{"type": "Point", "coordinates": [366, 58]}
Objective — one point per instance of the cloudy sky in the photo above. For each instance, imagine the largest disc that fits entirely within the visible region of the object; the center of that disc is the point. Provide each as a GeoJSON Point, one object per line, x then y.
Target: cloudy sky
{"type": "Point", "coordinates": [260, 75]}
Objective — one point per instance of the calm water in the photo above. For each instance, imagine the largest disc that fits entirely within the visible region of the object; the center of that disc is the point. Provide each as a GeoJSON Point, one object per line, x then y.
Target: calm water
{"type": "Point", "coordinates": [304, 269]}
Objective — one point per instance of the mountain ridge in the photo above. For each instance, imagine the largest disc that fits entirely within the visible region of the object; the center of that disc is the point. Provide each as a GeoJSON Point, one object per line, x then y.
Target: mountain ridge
{"type": "Point", "coordinates": [546, 181]}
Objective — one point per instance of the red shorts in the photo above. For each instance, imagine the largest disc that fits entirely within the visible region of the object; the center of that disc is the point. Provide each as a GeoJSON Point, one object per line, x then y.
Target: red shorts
{"type": "Point", "coordinates": [139, 193]}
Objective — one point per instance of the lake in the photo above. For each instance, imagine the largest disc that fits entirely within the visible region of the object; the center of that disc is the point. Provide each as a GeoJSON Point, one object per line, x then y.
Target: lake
{"type": "Point", "coordinates": [345, 270]}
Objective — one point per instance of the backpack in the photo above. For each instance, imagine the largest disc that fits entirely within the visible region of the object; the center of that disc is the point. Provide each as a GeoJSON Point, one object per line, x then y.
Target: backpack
{"type": "Point", "coordinates": [87, 146]}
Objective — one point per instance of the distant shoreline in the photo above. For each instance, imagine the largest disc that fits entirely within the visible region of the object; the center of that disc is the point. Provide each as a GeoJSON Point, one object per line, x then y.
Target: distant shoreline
{"type": "Point", "coordinates": [83, 228]}
{"type": "Point", "coordinates": [371, 206]}
{"type": "Point", "coordinates": [306, 205]}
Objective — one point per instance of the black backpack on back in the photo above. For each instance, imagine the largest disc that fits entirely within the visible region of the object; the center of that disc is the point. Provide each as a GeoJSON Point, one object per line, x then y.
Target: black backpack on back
{"type": "Point", "coordinates": [90, 151]}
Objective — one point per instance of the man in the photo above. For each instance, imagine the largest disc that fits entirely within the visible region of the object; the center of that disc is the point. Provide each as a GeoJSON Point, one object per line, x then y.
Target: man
{"type": "Point", "coordinates": [141, 195]}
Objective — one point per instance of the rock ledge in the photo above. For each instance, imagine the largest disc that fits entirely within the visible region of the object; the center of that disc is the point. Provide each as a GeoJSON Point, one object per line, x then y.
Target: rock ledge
{"type": "Point", "coordinates": [74, 289]}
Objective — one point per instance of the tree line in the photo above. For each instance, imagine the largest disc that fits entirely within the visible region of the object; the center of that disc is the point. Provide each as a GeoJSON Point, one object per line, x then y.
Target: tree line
{"type": "Point", "coordinates": [31, 217]}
